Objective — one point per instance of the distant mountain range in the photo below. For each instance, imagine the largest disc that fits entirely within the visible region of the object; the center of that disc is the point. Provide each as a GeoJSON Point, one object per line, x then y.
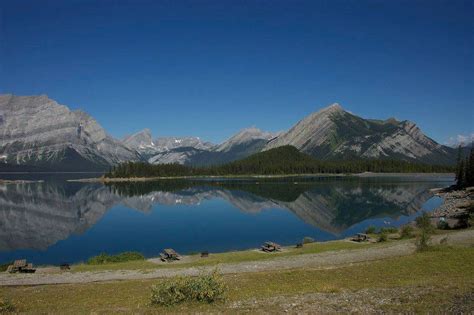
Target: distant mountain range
{"type": "Point", "coordinates": [38, 133]}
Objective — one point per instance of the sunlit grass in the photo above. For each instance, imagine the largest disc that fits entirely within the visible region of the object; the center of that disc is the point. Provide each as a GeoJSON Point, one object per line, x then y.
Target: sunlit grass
{"type": "Point", "coordinates": [443, 271]}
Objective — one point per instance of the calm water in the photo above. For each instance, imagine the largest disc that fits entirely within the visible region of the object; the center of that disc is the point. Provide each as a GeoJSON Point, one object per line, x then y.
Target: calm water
{"type": "Point", "coordinates": [57, 221]}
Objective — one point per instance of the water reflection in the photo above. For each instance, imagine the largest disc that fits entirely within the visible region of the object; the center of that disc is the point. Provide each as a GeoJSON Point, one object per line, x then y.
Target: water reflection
{"type": "Point", "coordinates": [36, 216]}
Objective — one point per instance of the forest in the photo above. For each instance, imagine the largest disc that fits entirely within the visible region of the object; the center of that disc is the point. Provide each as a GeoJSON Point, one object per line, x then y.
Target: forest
{"type": "Point", "coordinates": [285, 160]}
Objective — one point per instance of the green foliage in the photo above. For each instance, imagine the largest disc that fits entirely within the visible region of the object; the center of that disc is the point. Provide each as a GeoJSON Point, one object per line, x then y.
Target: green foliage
{"type": "Point", "coordinates": [423, 222]}
{"type": "Point", "coordinates": [406, 231]}
{"type": "Point", "coordinates": [308, 240]}
{"type": "Point", "coordinates": [204, 288]}
{"type": "Point", "coordinates": [371, 230]}
{"type": "Point", "coordinates": [3, 267]}
{"type": "Point", "coordinates": [465, 170]}
{"type": "Point", "coordinates": [389, 230]}
{"type": "Point", "coordinates": [279, 161]}
{"type": "Point", "coordinates": [382, 237]}
{"type": "Point", "coordinates": [6, 306]}
{"type": "Point", "coordinates": [122, 257]}
{"type": "Point", "coordinates": [422, 241]}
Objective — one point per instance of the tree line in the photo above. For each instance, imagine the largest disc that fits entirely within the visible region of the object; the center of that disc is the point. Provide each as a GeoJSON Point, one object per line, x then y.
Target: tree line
{"type": "Point", "coordinates": [465, 169]}
{"type": "Point", "coordinates": [279, 161]}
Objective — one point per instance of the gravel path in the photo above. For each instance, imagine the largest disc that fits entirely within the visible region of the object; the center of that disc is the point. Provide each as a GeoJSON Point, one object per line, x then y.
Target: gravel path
{"type": "Point", "coordinates": [322, 260]}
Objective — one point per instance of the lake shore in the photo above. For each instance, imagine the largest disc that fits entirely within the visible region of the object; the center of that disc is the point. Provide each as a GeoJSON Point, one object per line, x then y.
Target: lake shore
{"type": "Point", "coordinates": [456, 205]}
{"type": "Point", "coordinates": [371, 278]}
{"type": "Point", "coordinates": [313, 255]}
{"type": "Point", "coordinates": [365, 174]}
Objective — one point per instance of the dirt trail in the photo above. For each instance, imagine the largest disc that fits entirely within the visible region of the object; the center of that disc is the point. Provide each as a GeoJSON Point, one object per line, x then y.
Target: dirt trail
{"type": "Point", "coordinates": [321, 260]}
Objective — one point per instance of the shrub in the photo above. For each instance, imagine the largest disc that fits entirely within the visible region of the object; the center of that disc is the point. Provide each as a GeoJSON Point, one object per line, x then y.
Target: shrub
{"type": "Point", "coordinates": [422, 242]}
{"type": "Point", "coordinates": [371, 230]}
{"type": "Point", "coordinates": [442, 225]}
{"type": "Point", "coordinates": [389, 230]}
{"type": "Point", "coordinates": [307, 240]}
{"type": "Point", "coordinates": [122, 257]}
{"type": "Point", "coordinates": [406, 231]}
{"type": "Point", "coordinates": [382, 237]}
{"type": "Point", "coordinates": [424, 222]}
{"type": "Point", "coordinates": [203, 288]}
{"type": "Point", "coordinates": [6, 306]}
{"type": "Point", "coordinates": [3, 267]}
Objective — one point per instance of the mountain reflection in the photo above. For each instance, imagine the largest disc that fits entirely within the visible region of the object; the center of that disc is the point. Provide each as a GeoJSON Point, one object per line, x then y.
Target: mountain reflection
{"type": "Point", "coordinates": [36, 216]}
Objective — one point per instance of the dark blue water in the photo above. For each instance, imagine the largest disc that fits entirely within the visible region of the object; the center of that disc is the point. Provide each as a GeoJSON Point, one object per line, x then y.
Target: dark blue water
{"type": "Point", "coordinates": [58, 221]}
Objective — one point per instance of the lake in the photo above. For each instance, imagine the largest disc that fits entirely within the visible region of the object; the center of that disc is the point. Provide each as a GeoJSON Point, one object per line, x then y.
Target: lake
{"type": "Point", "coordinates": [58, 221]}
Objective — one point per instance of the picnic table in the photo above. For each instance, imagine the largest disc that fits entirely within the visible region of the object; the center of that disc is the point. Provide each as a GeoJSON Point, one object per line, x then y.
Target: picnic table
{"type": "Point", "coordinates": [21, 265]}
{"type": "Point", "coordinates": [270, 247]}
{"type": "Point", "coordinates": [360, 237]}
{"type": "Point", "coordinates": [169, 254]}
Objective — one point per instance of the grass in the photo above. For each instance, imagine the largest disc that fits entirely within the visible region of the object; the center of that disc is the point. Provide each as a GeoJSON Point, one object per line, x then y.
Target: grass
{"type": "Point", "coordinates": [441, 273]}
{"type": "Point", "coordinates": [227, 257]}
{"type": "Point", "coordinates": [104, 258]}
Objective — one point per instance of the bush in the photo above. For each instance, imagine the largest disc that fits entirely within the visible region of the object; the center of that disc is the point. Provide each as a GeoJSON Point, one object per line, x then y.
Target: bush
{"type": "Point", "coordinates": [406, 231]}
{"type": "Point", "coordinates": [6, 306]}
{"type": "Point", "coordinates": [371, 230]}
{"type": "Point", "coordinates": [122, 257]}
{"type": "Point", "coordinates": [382, 237]}
{"type": "Point", "coordinates": [442, 225]}
{"type": "Point", "coordinates": [424, 223]}
{"type": "Point", "coordinates": [422, 242]}
{"type": "Point", "coordinates": [3, 267]}
{"type": "Point", "coordinates": [307, 240]}
{"type": "Point", "coordinates": [389, 230]}
{"type": "Point", "coordinates": [204, 288]}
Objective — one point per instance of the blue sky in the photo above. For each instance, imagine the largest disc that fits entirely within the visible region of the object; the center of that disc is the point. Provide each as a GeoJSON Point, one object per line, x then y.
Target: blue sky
{"type": "Point", "coordinates": [210, 68]}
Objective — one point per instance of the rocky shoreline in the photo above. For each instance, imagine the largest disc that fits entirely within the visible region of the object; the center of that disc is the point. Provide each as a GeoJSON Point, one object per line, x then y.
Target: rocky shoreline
{"type": "Point", "coordinates": [456, 207]}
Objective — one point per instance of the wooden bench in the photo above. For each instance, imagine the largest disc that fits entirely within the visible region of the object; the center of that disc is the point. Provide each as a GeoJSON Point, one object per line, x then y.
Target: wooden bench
{"type": "Point", "coordinates": [360, 237]}
{"type": "Point", "coordinates": [205, 254]}
{"type": "Point", "coordinates": [169, 254]}
{"type": "Point", "coordinates": [270, 247]}
{"type": "Point", "coordinates": [22, 266]}
{"type": "Point", "coordinates": [299, 245]}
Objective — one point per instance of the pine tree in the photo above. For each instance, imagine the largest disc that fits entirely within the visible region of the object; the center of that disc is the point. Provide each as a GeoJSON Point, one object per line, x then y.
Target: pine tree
{"type": "Point", "coordinates": [459, 168]}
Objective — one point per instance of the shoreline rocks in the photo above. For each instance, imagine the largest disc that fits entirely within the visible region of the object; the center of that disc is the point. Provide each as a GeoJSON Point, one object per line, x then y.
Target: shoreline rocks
{"type": "Point", "coordinates": [455, 207]}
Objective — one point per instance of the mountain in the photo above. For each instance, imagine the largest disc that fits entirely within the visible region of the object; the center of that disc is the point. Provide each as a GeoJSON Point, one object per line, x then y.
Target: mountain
{"type": "Point", "coordinates": [248, 139]}
{"type": "Point", "coordinates": [333, 133]}
{"type": "Point", "coordinates": [141, 141]}
{"type": "Point", "coordinates": [166, 150]}
{"type": "Point", "coordinates": [36, 131]}
{"type": "Point", "coordinates": [245, 143]}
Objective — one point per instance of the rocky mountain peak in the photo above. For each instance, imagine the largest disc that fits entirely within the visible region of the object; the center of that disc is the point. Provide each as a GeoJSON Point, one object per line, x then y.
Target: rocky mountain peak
{"type": "Point", "coordinates": [139, 139]}
{"type": "Point", "coordinates": [245, 135]}
{"type": "Point", "coordinates": [36, 130]}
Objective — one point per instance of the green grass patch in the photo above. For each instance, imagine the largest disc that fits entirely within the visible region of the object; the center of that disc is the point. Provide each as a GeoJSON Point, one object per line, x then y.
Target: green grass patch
{"type": "Point", "coordinates": [6, 306]}
{"type": "Point", "coordinates": [227, 257]}
{"type": "Point", "coordinates": [119, 258]}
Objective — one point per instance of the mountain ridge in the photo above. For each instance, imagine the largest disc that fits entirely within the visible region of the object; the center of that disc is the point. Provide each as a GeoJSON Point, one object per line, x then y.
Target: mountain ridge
{"type": "Point", "coordinates": [37, 131]}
